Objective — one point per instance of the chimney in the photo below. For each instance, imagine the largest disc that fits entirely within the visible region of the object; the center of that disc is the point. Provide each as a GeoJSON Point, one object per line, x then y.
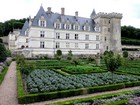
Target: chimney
{"type": "Point", "coordinates": [49, 9]}
{"type": "Point", "coordinates": [62, 11]}
{"type": "Point", "coordinates": [76, 14]}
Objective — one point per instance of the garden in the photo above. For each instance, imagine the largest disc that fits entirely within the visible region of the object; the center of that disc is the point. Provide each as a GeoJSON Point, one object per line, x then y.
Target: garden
{"type": "Point", "coordinates": [40, 80]}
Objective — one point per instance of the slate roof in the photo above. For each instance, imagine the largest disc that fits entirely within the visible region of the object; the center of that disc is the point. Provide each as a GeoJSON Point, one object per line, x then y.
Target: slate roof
{"type": "Point", "coordinates": [52, 17]}
{"type": "Point", "coordinates": [24, 28]}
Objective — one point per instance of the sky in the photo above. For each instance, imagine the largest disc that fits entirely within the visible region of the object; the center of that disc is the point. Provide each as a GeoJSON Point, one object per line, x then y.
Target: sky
{"type": "Point", "coordinates": [18, 9]}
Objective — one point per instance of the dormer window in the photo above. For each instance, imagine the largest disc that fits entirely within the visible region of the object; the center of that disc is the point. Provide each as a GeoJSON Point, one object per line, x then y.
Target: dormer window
{"type": "Point", "coordinates": [57, 26]}
{"type": "Point", "coordinates": [76, 27]}
{"type": "Point", "coordinates": [87, 28]}
{"type": "Point", "coordinates": [42, 22]}
{"type": "Point", "coordinates": [67, 26]}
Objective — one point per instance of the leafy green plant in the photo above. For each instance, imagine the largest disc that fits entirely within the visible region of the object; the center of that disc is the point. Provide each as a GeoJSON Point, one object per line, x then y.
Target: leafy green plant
{"type": "Point", "coordinates": [3, 52]}
{"type": "Point", "coordinates": [125, 54]}
{"type": "Point", "coordinates": [112, 62]}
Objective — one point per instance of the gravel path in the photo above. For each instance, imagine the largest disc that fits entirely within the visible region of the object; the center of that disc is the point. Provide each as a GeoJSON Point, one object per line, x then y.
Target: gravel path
{"type": "Point", "coordinates": [8, 88]}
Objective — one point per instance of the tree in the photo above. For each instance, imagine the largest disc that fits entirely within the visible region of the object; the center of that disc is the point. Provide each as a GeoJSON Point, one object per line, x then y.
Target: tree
{"type": "Point", "coordinates": [3, 53]}
{"type": "Point", "coordinates": [112, 62]}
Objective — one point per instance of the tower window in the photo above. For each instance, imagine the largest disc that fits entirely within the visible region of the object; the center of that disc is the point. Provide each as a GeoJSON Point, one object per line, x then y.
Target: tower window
{"type": "Point", "coordinates": [105, 38]}
{"type": "Point", "coordinates": [108, 29]}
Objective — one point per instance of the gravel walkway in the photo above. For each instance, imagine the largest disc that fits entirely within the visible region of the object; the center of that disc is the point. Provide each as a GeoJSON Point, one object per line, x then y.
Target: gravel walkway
{"type": "Point", "coordinates": [8, 88]}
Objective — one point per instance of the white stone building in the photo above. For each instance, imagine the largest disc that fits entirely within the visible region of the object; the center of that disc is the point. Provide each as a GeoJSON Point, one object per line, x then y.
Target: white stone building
{"type": "Point", "coordinates": [48, 31]}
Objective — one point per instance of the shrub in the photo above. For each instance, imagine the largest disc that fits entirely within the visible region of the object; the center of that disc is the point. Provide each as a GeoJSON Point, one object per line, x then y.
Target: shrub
{"type": "Point", "coordinates": [3, 53]}
{"type": "Point", "coordinates": [125, 54]}
{"type": "Point", "coordinates": [59, 52]}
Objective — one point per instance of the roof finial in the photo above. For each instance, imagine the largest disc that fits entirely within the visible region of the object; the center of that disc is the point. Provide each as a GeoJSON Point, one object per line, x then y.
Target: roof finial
{"type": "Point", "coordinates": [41, 4]}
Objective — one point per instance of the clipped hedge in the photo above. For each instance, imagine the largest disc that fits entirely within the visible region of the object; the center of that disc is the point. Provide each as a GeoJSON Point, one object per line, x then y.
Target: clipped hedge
{"type": "Point", "coordinates": [3, 73]}
{"type": "Point", "coordinates": [90, 99]}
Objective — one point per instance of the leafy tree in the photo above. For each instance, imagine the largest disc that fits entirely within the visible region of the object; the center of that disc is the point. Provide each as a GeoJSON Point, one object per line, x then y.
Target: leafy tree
{"type": "Point", "coordinates": [3, 53]}
{"type": "Point", "coordinates": [112, 62]}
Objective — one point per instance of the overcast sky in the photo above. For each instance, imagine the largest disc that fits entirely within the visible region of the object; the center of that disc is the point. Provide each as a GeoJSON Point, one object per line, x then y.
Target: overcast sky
{"type": "Point", "coordinates": [17, 9]}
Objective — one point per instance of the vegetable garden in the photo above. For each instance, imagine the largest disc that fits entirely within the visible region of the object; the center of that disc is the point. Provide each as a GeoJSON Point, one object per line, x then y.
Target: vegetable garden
{"type": "Point", "coordinates": [52, 79]}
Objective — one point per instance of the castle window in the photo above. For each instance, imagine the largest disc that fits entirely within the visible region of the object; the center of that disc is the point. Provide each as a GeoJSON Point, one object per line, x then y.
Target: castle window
{"type": "Point", "coordinates": [57, 45]}
{"type": "Point", "coordinates": [57, 25]}
{"type": "Point", "coordinates": [105, 38]}
{"type": "Point", "coordinates": [42, 33]}
{"type": "Point", "coordinates": [76, 27]}
{"type": "Point", "coordinates": [107, 48]}
{"type": "Point", "coordinates": [26, 40]}
{"type": "Point", "coordinates": [76, 45]}
{"type": "Point", "coordinates": [42, 23]}
{"type": "Point", "coordinates": [67, 45]}
{"type": "Point", "coordinates": [86, 37]}
{"type": "Point", "coordinates": [67, 26]}
{"type": "Point", "coordinates": [57, 35]}
{"type": "Point", "coordinates": [76, 36]}
{"type": "Point", "coordinates": [67, 36]}
{"type": "Point", "coordinates": [108, 29]}
{"type": "Point", "coordinates": [86, 46]}
{"type": "Point", "coordinates": [97, 37]}
{"type": "Point", "coordinates": [109, 21]}
{"type": "Point", "coordinates": [97, 46]}
{"type": "Point", "coordinates": [42, 44]}
{"type": "Point", "coordinates": [86, 28]}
